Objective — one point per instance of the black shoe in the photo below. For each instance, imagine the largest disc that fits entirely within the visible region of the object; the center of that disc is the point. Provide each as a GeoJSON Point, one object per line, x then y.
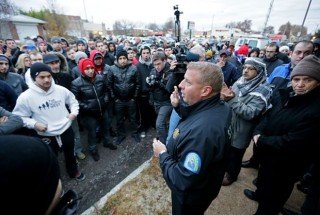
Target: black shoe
{"type": "Point", "coordinates": [136, 137]}
{"type": "Point", "coordinates": [254, 182]}
{"type": "Point", "coordinates": [110, 146]}
{"type": "Point", "coordinates": [286, 211]}
{"type": "Point", "coordinates": [120, 139]}
{"type": "Point", "coordinates": [95, 155]}
{"type": "Point", "coordinates": [249, 164]}
{"type": "Point", "coordinates": [250, 194]}
{"type": "Point", "coordinates": [112, 132]}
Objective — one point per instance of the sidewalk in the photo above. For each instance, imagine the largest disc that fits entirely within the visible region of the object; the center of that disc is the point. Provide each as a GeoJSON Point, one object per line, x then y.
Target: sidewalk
{"type": "Point", "coordinates": [145, 192]}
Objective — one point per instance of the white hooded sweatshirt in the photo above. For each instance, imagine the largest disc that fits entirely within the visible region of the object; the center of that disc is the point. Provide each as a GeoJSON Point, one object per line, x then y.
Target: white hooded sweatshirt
{"type": "Point", "coordinates": [47, 107]}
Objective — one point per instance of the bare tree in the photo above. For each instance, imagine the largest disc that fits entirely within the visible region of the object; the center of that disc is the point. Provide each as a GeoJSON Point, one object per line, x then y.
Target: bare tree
{"type": "Point", "coordinates": [153, 26]}
{"type": "Point", "coordinates": [168, 25]}
{"type": "Point", "coordinates": [269, 30]}
{"type": "Point", "coordinates": [123, 27]}
{"type": "Point", "coordinates": [289, 29]}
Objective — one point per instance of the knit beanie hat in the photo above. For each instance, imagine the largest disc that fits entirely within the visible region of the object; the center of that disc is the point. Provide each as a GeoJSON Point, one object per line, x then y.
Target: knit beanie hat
{"type": "Point", "coordinates": [4, 58]}
{"type": "Point", "coordinates": [81, 42]}
{"type": "Point", "coordinates": [49, 58]}
{"type": "Point", "coordinates": [257, 63]}
{"type": "Point", "coordinates": [29, 175]}
{"type": "Point", "coordinates": [308, 66]}
{"type": "Point", "coordinates": [36, 68]}
{"type": "Point", "coordinates": [122, 53]}
{"type": "Point", "coordinates": [78, 55]}
{"type": "Point", "coordinates": [84, 64]}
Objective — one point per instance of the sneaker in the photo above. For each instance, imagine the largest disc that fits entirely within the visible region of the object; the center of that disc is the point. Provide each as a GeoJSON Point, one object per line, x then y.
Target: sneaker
{"type": "Point", "coordinates": [81, 177]}
{"type": "Point", "coordinates": [120, 139]}
{"type": "Point", "coordinates": [95, 155]}
{"type": "Point", "coordinates": [136, 137]}
{"type": "Point", "coordinates": [110, 146]}
{"type": "Point", "coordinates": [81, 156]}
{"type": "Point", "coordinates": [143, 134]}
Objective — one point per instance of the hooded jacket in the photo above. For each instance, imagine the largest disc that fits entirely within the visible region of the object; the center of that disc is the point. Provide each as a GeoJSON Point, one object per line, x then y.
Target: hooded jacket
{"type": "Point", "coordinates": [62, 78]}
{"type": "Point", "coordinates": [47, 107]}
{"type": "Point", "coordinates": [14, 80]}
{"type": "Point", "coordinates": [98, 69]}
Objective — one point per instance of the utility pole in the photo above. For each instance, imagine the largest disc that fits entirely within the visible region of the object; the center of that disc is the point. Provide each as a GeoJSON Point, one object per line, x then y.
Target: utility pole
{"type": "Point", "coordinates": [267, 18]}
{"type": "Point", "coordinates": [177, 22]}
{"type": "Point", "coordinates": [211, 34]}
{"type": "Point", "coordinates": [305, 16]}
{"type": "Point", "coordinates": [85, 10]}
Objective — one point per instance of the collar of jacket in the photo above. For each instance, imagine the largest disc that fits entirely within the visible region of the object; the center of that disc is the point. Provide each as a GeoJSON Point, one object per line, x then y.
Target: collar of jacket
{"type": "Point", "coordinates": [288, 98]}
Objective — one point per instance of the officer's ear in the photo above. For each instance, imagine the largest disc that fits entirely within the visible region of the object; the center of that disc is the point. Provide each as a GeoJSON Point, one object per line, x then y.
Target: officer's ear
{"type": "Point", "coordinates": [206, 91]}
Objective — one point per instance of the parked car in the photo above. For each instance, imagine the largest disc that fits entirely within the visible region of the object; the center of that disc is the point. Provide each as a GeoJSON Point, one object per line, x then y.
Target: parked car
{"type": "Point", "coordinates": [254, 42]}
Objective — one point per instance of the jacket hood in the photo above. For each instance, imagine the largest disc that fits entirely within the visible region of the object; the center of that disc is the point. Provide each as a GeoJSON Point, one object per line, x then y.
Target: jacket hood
{"type": "Point", "coordinates": [32, 86]}
{"type": "Point", "coordinates": [10, 63]}
{"type": "Point", "coordinates": [63, 62]}
{"type": "Point", "coordinates": [93, 54]}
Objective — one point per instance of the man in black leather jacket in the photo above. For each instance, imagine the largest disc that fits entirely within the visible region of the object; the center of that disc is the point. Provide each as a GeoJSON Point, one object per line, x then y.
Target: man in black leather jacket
{"type": "Point", "coordinates": [124, 86]}
{"type": "Point", "coordinates": [91, 92]}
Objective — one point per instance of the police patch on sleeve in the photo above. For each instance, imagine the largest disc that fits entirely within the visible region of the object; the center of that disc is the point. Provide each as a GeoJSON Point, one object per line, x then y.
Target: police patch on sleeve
{"type": "Point", "coordinates": [192, 162]}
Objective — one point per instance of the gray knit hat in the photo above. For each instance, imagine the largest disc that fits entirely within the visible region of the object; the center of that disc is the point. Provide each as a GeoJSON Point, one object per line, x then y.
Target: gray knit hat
{"type": "Point", "coordinates": [308, 66]}
{"type": "Point", "coordinates": [79, 55]}
{"type": "Point", "coordinates": [257, 63]}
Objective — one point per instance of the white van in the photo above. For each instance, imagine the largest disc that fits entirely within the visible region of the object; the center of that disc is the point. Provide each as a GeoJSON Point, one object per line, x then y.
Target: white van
{"type": "Point", "coordinates": [254, 42]}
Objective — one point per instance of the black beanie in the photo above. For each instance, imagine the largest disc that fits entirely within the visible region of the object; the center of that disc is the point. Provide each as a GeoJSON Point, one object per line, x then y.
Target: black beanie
{"type": "Point", "coordinates": [122, 53]}
{"type": "Point", "coordinates": [308, 66]}
{"type": "Point", "coordinates": [29, 173]}
{"type": "Point", "coordinates": [36, 68]}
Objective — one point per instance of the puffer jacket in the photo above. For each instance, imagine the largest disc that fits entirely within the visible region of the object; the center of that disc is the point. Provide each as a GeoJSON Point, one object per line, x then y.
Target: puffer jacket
{"type": "Point", "coordinates": [92, 96]}
{"type": "Point", "coordinates": [123, 82]}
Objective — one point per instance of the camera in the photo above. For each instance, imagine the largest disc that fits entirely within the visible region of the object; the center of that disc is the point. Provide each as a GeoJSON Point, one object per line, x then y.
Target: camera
{"type": "Point", "coordinates": [181, 57]}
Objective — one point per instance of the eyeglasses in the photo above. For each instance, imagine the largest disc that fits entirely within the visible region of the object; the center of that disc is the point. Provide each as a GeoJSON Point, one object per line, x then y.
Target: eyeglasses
{"type": "Point", "coordinates": [251, 68]}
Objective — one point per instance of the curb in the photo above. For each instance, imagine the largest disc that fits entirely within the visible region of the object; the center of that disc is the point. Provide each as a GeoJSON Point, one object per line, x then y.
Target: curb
{"type": "Point", "coordinates": [100, 203]}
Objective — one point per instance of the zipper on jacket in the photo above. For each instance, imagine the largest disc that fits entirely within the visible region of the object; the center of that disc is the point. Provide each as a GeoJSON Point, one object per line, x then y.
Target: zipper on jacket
{"type": "Point", "coordinates": [97, 99]}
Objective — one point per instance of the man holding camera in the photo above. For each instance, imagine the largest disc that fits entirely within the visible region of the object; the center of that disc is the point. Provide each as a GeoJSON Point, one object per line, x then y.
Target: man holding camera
{"type": "Point", "coordinates": [161, 87]}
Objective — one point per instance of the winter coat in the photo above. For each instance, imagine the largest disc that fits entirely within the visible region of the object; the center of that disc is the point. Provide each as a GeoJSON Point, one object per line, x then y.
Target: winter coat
{"type": "Point", "coordinates": [123, 82]}
{"type": "Point", "coordinates": [13, 122]}
{"type": "Point", "coordinates": [92, 96]}
{"type": "Point", "coordinates": [8, 96]}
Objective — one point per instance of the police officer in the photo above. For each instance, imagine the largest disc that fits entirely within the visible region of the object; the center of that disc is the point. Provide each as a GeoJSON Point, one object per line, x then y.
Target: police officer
{"type": "Point", "coordinates": [193, 161]}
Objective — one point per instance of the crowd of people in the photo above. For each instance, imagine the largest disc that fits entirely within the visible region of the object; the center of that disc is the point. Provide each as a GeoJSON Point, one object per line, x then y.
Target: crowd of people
{"type": "Point", "coordinates": [207, 105]}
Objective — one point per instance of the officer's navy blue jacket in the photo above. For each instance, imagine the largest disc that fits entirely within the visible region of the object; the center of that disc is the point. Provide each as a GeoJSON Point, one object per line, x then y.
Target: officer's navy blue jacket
{"type": "Point", "coordinates": [203, 130]}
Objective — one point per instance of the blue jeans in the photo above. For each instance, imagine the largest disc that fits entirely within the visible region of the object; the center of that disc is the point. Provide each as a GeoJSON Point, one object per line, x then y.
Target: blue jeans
{"type": "Point", "coordinates": [77, 141]}
{"type": "Point", "coordinates": [92, 123]}
{"type": "Point", "coordinates": [161, 122]}
{"type": "Point", "coordinates": [174, 121]}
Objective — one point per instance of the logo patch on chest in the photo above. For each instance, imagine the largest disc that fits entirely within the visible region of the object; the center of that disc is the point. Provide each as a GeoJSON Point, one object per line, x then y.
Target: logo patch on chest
{"type": "Point", "coordinates": [176, 133]}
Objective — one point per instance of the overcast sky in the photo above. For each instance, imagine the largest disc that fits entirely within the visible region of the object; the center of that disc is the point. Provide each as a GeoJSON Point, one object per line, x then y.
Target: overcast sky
{"type": "Point", "coordinates": [205, 13]}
